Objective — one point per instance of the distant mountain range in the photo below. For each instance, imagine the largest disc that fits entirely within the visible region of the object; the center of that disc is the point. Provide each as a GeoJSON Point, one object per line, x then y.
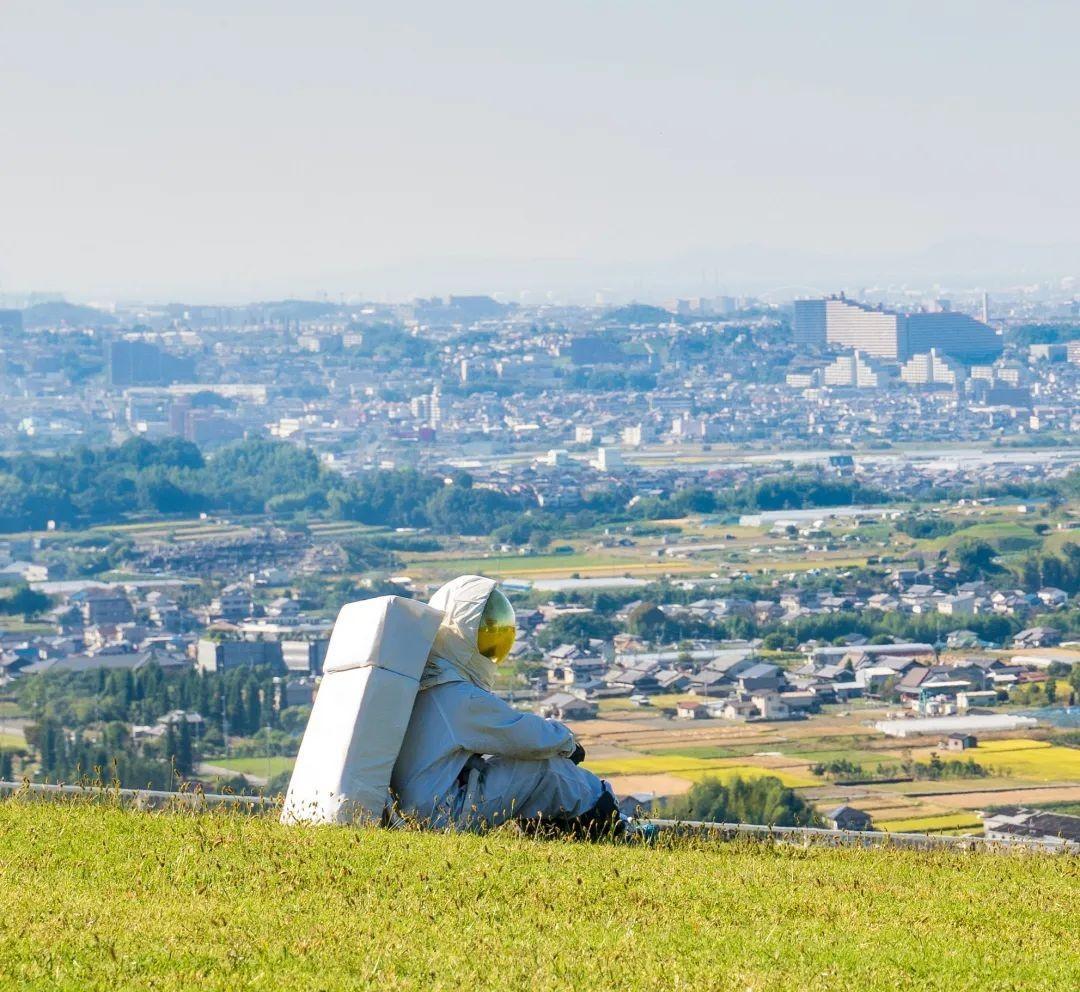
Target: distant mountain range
{"type": "Point", "coordinates": [51, 314]}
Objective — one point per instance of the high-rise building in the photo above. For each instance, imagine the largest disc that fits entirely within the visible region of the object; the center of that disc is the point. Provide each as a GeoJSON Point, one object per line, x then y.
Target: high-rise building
{"type": "Point", "coordinates": [138, 363]}
{"type": "Point", "coordinates": [608, 459]}
{"type": "Point", "coordinates": [839, 322]}
{"type": "Point", "coordinates": [954, 334]}
{"type": "Point", "coordinates": [688, 428]}
{"type": "Point", "coordinates": [856, 371]}
{"type": "Point", "coordinates": [436, 411]}
{"type": "Point", "coordinates": [809, 325]}
{"type": "Point", "coordinates": [420, 407]}
{"type": "Point", "coordinates": [933, 369]}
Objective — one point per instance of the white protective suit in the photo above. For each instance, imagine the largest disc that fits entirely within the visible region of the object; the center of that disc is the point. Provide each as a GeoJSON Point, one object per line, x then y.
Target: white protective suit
{"type": "Point", "coordinates": [527, 773]}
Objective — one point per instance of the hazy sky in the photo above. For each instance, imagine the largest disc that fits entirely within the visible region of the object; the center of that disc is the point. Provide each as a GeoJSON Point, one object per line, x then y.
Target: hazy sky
{"type": "Point", "coordinates": [174, 150]}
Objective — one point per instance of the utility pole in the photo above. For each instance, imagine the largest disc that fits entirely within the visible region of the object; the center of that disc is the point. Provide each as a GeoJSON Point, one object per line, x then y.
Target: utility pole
{"type": "Point", "coordinates": [224, 723]}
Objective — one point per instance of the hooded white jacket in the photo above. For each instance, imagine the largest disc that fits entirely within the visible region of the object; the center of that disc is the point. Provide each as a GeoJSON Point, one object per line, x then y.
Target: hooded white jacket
{"type": "Point", "coordinates": [455, 717]}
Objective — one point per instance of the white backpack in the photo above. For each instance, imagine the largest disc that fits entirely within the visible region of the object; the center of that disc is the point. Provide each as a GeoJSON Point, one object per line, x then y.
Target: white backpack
{"type": "Point", "coordinates": [371, 674]}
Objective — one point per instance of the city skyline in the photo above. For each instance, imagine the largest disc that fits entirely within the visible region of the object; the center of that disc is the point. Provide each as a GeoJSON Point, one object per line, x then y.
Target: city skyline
{"type": "Point", "coordinates": [626, 150]}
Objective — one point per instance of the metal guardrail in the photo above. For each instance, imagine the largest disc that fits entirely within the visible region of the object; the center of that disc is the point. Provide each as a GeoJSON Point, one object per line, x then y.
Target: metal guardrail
{"type": "Point", "coordinates": [818, 836]}
{"type": "Point", "coordinates": [141, 798]}
{"type": "Point", "coordinates": [863, 838]}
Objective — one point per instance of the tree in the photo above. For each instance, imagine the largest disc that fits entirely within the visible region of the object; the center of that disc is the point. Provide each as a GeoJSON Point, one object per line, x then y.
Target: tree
{"type": "Point", "coordinates": [976, 557]}
{"type": "Point", "coordinates": [576, 628]}
{"type": "Point", "coordinates": [185, 760]}
{"type": "Point", "coordinates": [50, 746]}
{"type": "Point", "coordinates": [29, 602]}
{"type": "Point", "coordinates": [763, 800]}
{"type": "Point", "coordinates": [170, 745]}
{"type": "Point", "coordinates": [644, 619]}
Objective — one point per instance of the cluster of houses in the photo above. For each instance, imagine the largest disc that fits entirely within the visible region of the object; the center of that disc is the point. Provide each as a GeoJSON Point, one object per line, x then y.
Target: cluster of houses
{"type": "Point", "coordinates": [130, 626]}
{"type": "Point", "coordinates": [910, 591]}
{"type": "Point", "coordinates": [1005, 823]}
{"type": "Point", "coordinates": [1020, 823]}
{"type": "Point", "coordinates": [730, 680]}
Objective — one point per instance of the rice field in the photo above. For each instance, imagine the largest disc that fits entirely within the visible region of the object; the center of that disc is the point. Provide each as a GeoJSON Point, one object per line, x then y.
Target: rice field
{"type": "Point", "coordinates": [653, 764]}
{"type": "Point", "coordinates": [696, 769]}
{"type": "Point", "coordinates": [1045, 763]}
{"type": "Point", "coordinates": [1012, 744]}
{"type": "Point", "coordinates": [931, 824]}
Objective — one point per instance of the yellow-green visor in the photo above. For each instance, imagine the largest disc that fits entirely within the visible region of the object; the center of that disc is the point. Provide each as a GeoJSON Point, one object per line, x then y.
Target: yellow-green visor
{"type": "Point", "coordinates": [497, 630]}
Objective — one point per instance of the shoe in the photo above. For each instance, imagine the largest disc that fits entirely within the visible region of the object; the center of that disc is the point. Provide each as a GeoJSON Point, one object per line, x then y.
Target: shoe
{"type": "Point", "coordinates": [631, 831]}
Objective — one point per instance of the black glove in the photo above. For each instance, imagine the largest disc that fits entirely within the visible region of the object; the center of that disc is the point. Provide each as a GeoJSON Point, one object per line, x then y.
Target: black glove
{"type": "Point", "coordinates": [577, 756]}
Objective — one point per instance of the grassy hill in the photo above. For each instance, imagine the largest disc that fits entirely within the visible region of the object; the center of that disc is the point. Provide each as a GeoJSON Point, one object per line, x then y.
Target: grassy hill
{"type": "Point", "coordinates": [93, 897]}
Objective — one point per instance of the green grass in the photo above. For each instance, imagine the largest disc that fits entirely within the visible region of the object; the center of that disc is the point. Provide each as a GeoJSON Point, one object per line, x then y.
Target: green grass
{"type": "Point", "coordinates": [10, 741]}
{"type": "Point", "coordinates": [526, 565]}
{"type": "Point", "coordinates": [254, 766]}
{"type": "Point", "coordinates": [703, 751]}
{"type": "Point", "coordinates": [17, 625]}
{"type": "Point", "coordinates": [102, 898]}
{"type": "Point", "coordinates": [793, 780]}
{"type": "Point", "coordinates": [867, 758]}
{"type": "Point", "coordinates": [1004, 535]}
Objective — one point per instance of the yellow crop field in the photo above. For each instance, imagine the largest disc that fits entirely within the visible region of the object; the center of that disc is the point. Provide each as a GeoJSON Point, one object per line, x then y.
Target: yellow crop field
{"type": "Point", "coordinates": [695, 769]}
{"type": "Point", "coordinates": [655, 764]}
{"type": "Point", "coordinates": [1050, 763]}
{"type": "Point", "coordinates": [1013, 744]}
{"type": "Point", "coordinates": [931, 824]}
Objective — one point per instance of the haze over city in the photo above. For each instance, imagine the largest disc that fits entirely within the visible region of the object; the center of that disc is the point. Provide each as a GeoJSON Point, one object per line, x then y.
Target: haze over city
{"type": "Point", "coordinates": [160, 152]}
{"type": "Point", "coordinates": [507, 496]}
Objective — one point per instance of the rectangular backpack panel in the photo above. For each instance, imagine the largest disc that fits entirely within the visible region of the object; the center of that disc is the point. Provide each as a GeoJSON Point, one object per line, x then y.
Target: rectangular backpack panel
{"type": "Point", "coordinates": [371, 673]}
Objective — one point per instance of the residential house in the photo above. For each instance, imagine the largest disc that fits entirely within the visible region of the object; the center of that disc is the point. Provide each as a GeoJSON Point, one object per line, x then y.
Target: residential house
{"type": "Point", "coordinates": [1020, 823]}
{"type": "Point", "coordinates": [1037, 637]}
{"type": "Point", "coordinates": [568, 664]}
{"type": "Point", "coordinates": [565, 706]}
{"type": "Point", "coordinates": [849, 818]}
{"type": "Point", "coordinates": [688, 710]}
{"type": "Point", "coordinates": [233, 603]}
{"type": "Point", "coordinates": [106, 606]}
{"type": "Point", "coordinates": [1053, 597]}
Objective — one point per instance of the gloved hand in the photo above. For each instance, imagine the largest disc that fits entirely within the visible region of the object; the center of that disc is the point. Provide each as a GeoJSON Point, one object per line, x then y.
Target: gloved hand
{"type": "Point", "coordinates": [577, 756]}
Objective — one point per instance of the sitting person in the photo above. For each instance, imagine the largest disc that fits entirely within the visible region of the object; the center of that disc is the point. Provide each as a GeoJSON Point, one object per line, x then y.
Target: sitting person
{"type": "Point", "coordinates": [469, 760]}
